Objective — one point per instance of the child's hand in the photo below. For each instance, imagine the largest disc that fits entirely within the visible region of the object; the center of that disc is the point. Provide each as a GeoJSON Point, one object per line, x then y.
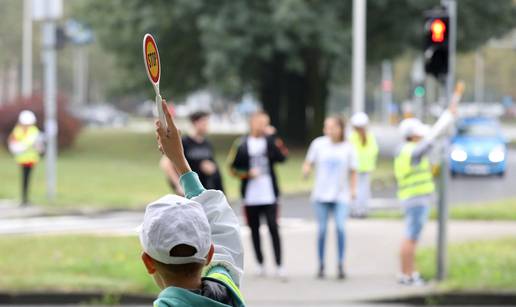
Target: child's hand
{"type": "Point", "coordinates": [306, 170]}
{"type": "Point", "coordinates": [457, 95]}
{"type": "Point", "coordinates": [254, 172]}
{"type": "Point", "coordinates": [208, 167]}
{"type": "Point", "coordinates": [169, 142]}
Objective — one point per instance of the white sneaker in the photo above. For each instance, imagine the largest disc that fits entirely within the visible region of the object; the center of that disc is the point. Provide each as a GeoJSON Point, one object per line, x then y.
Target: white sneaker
{"type": "Point", "coordinates": [281, 273]}
{"type": "Point", "coordinates": [404, 279]}
{"type": "Point", "coordinates": [260, 270]}
{"type": "Point", "coordinates": [416, 279]}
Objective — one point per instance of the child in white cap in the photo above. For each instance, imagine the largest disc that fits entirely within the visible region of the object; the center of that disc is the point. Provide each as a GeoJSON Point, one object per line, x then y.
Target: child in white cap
{"type": "Point", "coordinates": [415, 183]}
{"type": "Point", "coordinates": [191, 245]}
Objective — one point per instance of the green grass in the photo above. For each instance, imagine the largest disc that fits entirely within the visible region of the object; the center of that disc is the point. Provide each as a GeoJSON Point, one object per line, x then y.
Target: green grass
{"type": "Point", "coordinates": [480, 265]}
{"type": "Point", "coordinates": [109, 168]}
{"type": "Point", "coordinates": [502, 210]}
{"type": "Point", "coordinates": [112, 264]}
{"type": "Point", "coordinates": [497, 210]}
{"type": "Point", "coordinates": [106, 168]}
{"type": "Point", "coordinates": [73, 263]}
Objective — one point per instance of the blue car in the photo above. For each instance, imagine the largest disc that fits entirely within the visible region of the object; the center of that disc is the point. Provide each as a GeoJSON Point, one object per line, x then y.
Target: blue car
{"type": "Point", "coordinates": [478, 148]}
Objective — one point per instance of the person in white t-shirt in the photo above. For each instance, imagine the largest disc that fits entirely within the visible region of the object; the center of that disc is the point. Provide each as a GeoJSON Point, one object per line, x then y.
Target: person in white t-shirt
{"type": "Point", "coordinates": [335, 184]}
{"type": "Point", "coordinates": [252, 160]}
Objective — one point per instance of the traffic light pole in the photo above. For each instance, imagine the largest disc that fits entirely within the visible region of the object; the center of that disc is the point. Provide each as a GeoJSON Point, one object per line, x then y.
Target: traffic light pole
{"type": "Point", "coordinates": [451, 6]}
{"type": "Point", "coordinates": [359, 56]}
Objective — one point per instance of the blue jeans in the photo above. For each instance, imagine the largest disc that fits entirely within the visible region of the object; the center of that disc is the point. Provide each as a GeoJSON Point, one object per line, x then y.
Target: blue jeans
{"type": "Point", "coordinates": [322, 210]}
{"type": "Point", "coordinates": [415, 219]}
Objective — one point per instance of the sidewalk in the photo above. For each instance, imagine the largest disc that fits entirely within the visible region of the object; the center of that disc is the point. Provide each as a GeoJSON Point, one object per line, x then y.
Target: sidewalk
{"type": "Point", "coordinates": [372, 262]}
{"type": "Point", "coordinates": [372, 255]}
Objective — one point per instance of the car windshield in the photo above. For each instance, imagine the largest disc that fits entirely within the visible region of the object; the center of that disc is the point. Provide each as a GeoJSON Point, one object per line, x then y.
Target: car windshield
{"type": "Point", "coordinates": [478, 130]}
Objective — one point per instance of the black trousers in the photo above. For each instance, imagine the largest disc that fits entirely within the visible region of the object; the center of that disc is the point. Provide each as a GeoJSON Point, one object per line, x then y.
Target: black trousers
{"type": "Point", "coordinates": [26, 171]}
{"type": "Point", "coordinates": [270, 212]}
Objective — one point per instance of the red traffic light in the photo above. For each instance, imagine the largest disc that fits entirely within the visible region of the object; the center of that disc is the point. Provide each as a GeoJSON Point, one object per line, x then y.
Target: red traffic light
{"type": "Point", "coordinates": [438, 29]}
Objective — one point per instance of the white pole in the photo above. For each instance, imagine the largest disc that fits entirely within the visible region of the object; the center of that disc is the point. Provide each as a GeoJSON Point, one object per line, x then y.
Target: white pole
{"type": "Point", "coordinates": [442, 235]}
{"type": "Point", "coordinates": [27, 49]}
{"type": "Point", "coordinates": [359, 55]}
{"type": "Point", "coordinates": [50, 89]}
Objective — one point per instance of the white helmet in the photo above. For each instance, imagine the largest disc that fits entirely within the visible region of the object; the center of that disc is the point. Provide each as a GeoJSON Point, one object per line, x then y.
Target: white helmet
{"type": "Point", "coordinates": [410, 126]}
{"type": "Point", "coordinates": [359, 119]}
{"type": "Point", "coordinates": [27, 117]}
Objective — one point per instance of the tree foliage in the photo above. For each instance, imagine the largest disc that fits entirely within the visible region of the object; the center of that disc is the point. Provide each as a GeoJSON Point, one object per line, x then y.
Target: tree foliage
{"type": "Point", "coordinates": [287, 51]}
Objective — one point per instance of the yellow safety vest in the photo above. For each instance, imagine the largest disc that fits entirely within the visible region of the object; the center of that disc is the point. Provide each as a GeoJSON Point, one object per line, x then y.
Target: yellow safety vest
{"type": "Point", "coordinates": [27, 137]}
{"type": "Point", "coordinates": [366, 155]}
{"type": "Point", "coordinates": [217, 273]}
{"type": "Point", "coordinates": [413, 180]}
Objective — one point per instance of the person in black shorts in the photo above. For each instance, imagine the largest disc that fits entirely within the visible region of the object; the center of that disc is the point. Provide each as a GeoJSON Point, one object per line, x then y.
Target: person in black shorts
{"type": "Point", "coordinates": [199, 154]}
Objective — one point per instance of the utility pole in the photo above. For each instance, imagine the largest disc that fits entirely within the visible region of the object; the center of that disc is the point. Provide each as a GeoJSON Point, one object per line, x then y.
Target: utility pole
{"type": "Point", "coordinates": [48, 11]}
{"type": "Point", "coordinates": [50, 90]}
{"type": "Point", "coordinates": [27, 49]}
{"type": "Point", "coordinates": [442, 237]}
{"type": "Point", "coordinates": [359, 55]}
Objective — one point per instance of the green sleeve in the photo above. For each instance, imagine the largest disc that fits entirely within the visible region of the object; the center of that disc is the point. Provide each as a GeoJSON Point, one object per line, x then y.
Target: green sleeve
{"type": "Point", "coordinates": [191, 184]}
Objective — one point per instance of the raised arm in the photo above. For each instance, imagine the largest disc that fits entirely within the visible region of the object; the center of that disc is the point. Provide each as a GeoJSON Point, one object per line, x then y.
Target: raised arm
{"type": "Point", "coordinates": [225, 229]}
{"type": "Point", "coordinates": [443, 124]}
{"type": "Point", "coordinates": [168, 168]}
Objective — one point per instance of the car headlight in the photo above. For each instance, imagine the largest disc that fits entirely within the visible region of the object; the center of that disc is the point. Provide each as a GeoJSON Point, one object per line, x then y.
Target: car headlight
{"type": "Point", "coordinates": [458, 154]}
{"type": "Point", "coordinates": [497, 154]}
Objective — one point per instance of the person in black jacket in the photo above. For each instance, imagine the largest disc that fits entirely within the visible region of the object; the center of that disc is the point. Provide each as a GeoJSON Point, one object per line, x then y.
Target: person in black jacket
{"type": "Point", "coordinates": [200, 155]}
{"type": "Point", "coordinates": [252, 160]}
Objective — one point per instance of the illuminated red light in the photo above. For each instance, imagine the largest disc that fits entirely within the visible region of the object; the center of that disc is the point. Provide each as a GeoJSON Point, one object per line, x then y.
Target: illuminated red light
{"type": "Point", "coordinates": [438, 29]}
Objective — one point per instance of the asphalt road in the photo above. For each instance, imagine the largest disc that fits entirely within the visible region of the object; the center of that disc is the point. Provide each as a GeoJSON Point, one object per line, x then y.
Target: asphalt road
{"type": "Point", "coordinates": [462, 191]}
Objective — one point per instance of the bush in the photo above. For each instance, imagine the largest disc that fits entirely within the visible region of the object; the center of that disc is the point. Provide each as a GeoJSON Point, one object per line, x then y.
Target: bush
{"type": "Point", "coordinates": [69, 126]}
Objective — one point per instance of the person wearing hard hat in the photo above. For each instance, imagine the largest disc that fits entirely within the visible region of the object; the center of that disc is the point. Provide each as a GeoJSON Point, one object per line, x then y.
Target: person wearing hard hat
{"type": "Point", "coordinates": [366, 148]}
{"type": "Point", "coordinates": [25, 144]}
{"type": "Point", "coordinates": [416, 187]}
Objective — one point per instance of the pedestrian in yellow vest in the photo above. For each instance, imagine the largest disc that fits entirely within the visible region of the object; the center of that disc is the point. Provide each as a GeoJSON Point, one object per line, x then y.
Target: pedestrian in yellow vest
{"type": "Point", "coordinates": [25, 144]}
{"type": "Point", "coordinates": [415, 183]}
{"type": "Point", "coordinates": [366, 148]}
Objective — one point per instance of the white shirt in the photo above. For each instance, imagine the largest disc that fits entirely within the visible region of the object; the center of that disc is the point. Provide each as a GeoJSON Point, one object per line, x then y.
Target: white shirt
{"type": "Point", "coordinates": [333, 163]}
{"type": "Point", "coordinates": [259, 190]}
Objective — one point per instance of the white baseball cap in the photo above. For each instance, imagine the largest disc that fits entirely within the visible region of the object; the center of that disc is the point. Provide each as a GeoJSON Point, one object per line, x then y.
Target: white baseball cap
{"type": "Point", "coordinates": [359, 119]}
{"type": "Point", "coordinates": [27, 117]}
{"type": "Point", "coordinates": [171, 221]}
{"type": "Point", "coordinates": [422, 130]}
{"type": "Point", "coordinates": [408, 127]}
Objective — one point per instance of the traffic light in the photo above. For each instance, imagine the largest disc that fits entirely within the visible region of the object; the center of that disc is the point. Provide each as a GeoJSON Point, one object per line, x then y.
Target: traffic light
{"type": "Point", "coordinates": [436, 33]}
{"type": "Point", "coordinates": [419, 91]}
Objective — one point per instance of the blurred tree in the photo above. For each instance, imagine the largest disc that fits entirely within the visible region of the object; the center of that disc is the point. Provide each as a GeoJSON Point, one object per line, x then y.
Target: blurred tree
{"type": "Point", "coordinates": [286, 51]}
